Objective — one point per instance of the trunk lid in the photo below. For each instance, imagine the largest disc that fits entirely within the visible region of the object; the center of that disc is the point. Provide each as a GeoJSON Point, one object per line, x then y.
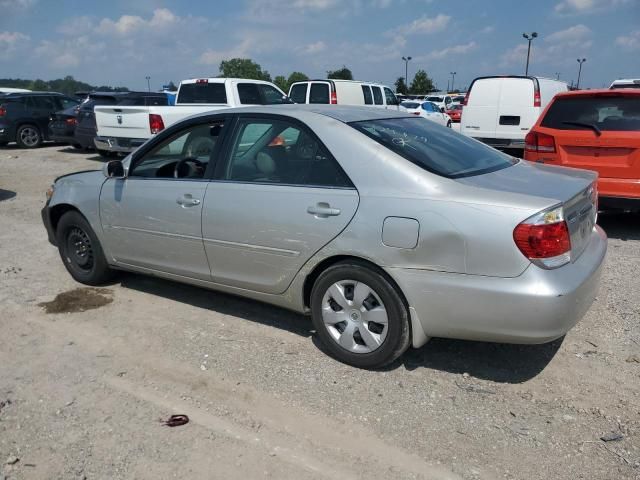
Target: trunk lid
{"type": "Point", "coordinates": [127, 122]}
{"type": "Point", "coordinates": [572, 188]}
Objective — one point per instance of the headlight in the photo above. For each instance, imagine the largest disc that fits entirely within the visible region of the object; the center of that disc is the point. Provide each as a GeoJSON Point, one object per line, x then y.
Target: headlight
{"type": "Point", "coordinates": [49, 192]}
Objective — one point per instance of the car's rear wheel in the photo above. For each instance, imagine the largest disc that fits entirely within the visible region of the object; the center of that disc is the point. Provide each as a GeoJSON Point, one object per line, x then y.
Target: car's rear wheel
{"type": "Point", "coordinates": [81, 251]}
{"type": "Point", "coordinates": [359, 315]}
{"type": "Point", "coordinates": [28, 136]}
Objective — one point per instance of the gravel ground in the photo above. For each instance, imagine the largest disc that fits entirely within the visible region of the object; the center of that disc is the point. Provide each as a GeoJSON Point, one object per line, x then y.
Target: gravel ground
{"type": "Point", "coordinates": [82, 390]}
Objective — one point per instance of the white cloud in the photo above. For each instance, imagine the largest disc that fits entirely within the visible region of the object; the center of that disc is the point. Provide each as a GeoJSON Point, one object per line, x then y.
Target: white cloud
{"type": "Point", "coordinates": [572, 35]}
{"type": "Point", "coordinates": [580, 7]}
{"type": "Point", "coordinates": [214, 57]}
{"type": "Point", "coordinates": [448, 51]}
{"type": "Point", "coordinates": [488, 29]}
{"type": "Point", "coordinates": [314, 48]}
{"type": "Point", "coordinates": [11, 42]}
{"type": "Point", "coordinates": [15, 5]}
{"type": "Point", "coordinates": [425, 25]}
{"type": "Point", "coordinates": [514, 56]}
{"type": "Point", "coordinates": [630, 41]}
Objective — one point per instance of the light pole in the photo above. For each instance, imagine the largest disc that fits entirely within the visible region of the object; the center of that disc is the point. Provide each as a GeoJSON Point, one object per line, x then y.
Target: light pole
{"type": "Point", "coordinates": [148, 82]}
{"type": "Point", "coordinates": [406, 70]}
{"type": "Point", "coordinates": [453, 78]}
{"type": "Point", "coordinates": [580, 61]}
{"type": "Point", "coordinates": [529, 39]}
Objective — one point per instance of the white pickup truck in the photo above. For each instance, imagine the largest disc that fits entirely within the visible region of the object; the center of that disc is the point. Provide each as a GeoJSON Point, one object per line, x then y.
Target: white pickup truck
{"type": "Point", "coordinates": [123, 129]}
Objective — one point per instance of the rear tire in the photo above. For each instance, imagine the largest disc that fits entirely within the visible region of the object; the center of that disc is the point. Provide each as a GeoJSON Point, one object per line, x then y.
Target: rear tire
{"type": "Point", "coordinates": [81, 251]}
{"type": "Point", "coordinates": [28, 136]}
{"type": "Point", "coordinates": [359, 315]}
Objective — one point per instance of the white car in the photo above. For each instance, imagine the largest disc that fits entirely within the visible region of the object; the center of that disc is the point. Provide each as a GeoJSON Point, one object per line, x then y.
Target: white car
{"type": "Point", "coordinates": [442, 101]}
{"type": "Point", "coordinates": [427, 110]}
{"type": "Point", "coordinates": [626, 83]}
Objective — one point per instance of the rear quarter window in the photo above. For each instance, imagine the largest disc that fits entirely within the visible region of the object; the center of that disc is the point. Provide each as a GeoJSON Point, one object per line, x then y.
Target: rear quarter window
{"type": "Point", "coordinates": [202, 93]}
{"type": "Point", "coordinates": [377, 96]}
{"type": "Point", "coordinates": [366, 92]}
{"type": "Point", "coordinates": [607, 113]}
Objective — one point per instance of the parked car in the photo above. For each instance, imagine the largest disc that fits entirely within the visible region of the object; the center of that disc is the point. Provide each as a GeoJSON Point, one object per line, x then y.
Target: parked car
{"type": "Point", "coordinates": [459, 99]}
{"type": "Point", "coordinates": [343, 92]}
{"type": "Point", "coordinates": [386, 228]}
{"type": "Point", "coordinates": [62, 126]}
{"type": "Point", "coordinates": [442, 101]}
{"type": "Point", "coordinates": [24, 117]}
{"type": "Point", "coordinates": [427, 110]}
{"type": "Point", "coordinates": [455, 112]}
{"type": "Point", "coordinates": [597, 130]}
{"type": "Point", "coordinates": [13, 90]}
{"type": "Point", "coordinates": [626, 83]}
{"type": "Point", "coordinates": [122, 129]}
{"type": "Point", "coordinates": [500, 110]}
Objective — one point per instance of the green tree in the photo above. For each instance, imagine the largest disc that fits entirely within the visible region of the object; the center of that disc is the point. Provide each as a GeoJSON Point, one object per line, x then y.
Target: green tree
{"type": "Point", "coordinates": [296, 77]}
{"type": "Point", "coordinates": [243, 68]}
{"type": "Point", "coordinates": [281, 83]}
{"type": "Point", "coordinates": [401, 87]}
{"type": "Point", "coordinates": [341, 74]}
{"type": "Point", "coordinates": [421, 83]}
{"type": "Point", "coordinates": [39, 86]}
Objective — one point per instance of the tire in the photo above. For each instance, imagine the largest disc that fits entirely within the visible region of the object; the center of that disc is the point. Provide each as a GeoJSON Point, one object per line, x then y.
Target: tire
{"type": "Point", "coordinates": [28, 136]}
{"type": "Point", "coordinates": [4, 144]}
{"type": "Point", "coordinates": [448, 124]}
{"type": "Point", "coordinates": [81, 251]}
{"type": "Point", "coordinates": [367, 295]}
{"type": "Point", "coordinates": [77, 146]}
{"type": "Point", "coordinates": [105, 153]}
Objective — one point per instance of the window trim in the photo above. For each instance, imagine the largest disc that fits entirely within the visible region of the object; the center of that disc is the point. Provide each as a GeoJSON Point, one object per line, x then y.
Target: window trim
{"type": "Point", "coordinates": [174, 132]}
{"type": "Point", "coordinates": [226, 153]}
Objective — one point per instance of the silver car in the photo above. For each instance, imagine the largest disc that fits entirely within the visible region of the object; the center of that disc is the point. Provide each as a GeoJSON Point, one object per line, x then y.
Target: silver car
{"type": "Point", "coordinates": [387, 229]}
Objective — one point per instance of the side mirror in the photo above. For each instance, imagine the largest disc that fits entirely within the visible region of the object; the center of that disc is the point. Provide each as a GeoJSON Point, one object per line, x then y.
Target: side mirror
{"type": "Point", "coordinates": [113, 169]}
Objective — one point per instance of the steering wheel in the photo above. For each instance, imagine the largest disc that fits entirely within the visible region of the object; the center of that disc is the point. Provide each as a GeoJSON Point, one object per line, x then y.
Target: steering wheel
{"type": "Point", "coordinates": [186, 167]}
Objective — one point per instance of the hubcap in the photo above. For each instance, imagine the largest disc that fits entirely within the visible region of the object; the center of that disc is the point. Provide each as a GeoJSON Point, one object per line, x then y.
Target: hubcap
{"type": "Point", "coordinates": [79, 250]}
{"type": "Point", "coordinates": [29, 136]}
{"type": "Point", "coordinates": [354, 316]}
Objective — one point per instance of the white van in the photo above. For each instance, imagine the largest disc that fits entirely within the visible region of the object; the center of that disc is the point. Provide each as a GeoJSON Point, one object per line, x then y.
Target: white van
{"type": "Point", "coordinates": [626, 83]}
{"type": "Point", "coordinates": [500, 110]}
{"type": "Point", "coordinates": [343, 92]}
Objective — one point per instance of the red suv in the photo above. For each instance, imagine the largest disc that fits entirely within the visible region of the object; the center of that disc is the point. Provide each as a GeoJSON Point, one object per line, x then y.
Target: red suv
{"type": "Point", "coordinates": [596, 130]}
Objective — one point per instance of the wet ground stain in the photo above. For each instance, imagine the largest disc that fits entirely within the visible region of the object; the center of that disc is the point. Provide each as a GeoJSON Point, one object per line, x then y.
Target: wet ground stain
{"type": "Point", "coordinates": [78, 300]}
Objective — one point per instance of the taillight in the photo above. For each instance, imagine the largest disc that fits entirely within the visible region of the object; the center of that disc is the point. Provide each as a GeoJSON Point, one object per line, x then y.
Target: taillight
{"type": "Point", "coordinates": [536, 99]}
{"type": "Point", "coordinates": [594, 195]}
{"type": "Point", "coordinates": [334, 98]}
{"type": "Point", "coordinates": [155, 123]}
{"type": "Point", "coordinates": [3, 111]}
{"type": "Point", "coordinates": [544, 239]}
{"type": "Point", "coordinates": [71, 121]}
{"type": "Point", "coordinates": [539, 142]}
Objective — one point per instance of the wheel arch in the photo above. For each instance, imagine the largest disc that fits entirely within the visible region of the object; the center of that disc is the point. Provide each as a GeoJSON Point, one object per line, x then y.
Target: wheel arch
{"type": "Point", "coordinates": [57, 211]}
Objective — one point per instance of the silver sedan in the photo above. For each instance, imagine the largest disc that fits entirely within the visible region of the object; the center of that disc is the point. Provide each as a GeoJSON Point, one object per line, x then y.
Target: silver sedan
{"type": "Point", "coordinates": [387, 229]}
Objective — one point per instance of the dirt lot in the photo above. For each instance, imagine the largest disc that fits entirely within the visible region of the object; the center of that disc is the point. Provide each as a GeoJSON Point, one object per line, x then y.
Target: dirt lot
{"type": "Point", "coordinates": [83, 387]}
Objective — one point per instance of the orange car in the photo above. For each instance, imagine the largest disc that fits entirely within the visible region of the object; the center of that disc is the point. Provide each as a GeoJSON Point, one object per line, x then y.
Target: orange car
{"type": "Point", "coordinates": [596, 130]}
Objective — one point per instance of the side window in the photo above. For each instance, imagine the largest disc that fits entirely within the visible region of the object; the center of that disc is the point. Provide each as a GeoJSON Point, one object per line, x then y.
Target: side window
{"type": "Point", "coordinates": [281, 152]}
{"type": "Point", "coordinates": [447, 100]}
{"type": "Point", "coordinates": [271, 95]}
{"type": "Point", "coordinates": [68, 102]}
{"type": "Point", "coordinates": [184, 155]}
{"type": "Point", "coordinates": [368, 98]}
{"type": "Point", "coordinates": [377, 95]}
{"type": "Point", "coordinates": [390, 97]}
{"type": "Point", "coordinates": [42, 102]}
{"type": "Point", "coordinates": [298, 93]}
{"type": "Point", "coordinates": [319, 93]}
{"type": "Point", "coordinates": [249, 94]}
{"type": "Point", "coordinates": [426, 106]}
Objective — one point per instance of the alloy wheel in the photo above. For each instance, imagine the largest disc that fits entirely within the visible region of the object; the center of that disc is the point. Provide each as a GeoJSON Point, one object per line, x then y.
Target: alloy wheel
{"type": "Point", "coordinates": [29, 136]}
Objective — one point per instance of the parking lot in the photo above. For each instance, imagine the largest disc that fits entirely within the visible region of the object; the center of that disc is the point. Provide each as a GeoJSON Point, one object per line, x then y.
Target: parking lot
{"type": "Point", "coordinates": [85, 379]}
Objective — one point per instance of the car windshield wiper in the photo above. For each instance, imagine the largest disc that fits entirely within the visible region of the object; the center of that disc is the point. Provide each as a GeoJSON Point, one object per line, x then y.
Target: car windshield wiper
{"type": "Point", "coordinates": [585, 125]}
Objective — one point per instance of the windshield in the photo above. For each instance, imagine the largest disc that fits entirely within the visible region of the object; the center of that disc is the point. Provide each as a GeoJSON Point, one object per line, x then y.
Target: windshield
{"type": "Point", "coordinates": [434, 148]}
{"type": "Point", "coordinates": [434, 99]}
{"type": "Point", "coordinates": [605, 113]}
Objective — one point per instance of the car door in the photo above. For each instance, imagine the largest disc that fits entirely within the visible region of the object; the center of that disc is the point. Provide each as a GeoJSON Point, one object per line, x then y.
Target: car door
{"type": "Point", "coordinates": [279, 197]}
{"type": "Point", "coordinates": [152, 218]}
{"type": "Point", "coordinates": [40, 108]}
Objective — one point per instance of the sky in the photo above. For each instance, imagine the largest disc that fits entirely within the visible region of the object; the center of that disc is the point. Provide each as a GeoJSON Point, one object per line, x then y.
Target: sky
{"type": "Point", "coordinates": [120, 42]}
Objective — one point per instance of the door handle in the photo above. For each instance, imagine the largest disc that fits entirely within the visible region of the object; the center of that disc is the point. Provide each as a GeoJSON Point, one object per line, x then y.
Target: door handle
{"type": "Point", "coordinates": [323, 210]}
{"type": "Point", "coordinates": [187, 201]}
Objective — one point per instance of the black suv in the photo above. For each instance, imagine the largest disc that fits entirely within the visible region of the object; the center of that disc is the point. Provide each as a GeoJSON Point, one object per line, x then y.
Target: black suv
{"type": "Point", "coordinates": [24, 117]}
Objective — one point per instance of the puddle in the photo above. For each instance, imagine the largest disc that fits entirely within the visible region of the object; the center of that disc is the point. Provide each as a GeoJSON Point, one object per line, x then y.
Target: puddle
{"type": "Point", "coordinates": [78, 300]}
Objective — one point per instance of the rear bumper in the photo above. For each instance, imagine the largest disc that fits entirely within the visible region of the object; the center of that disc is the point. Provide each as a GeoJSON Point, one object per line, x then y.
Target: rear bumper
{"type": "Point", "coordinates": [502, 142]}
{"type": "Point", "coordinates": [536, 307]}
{"type": "Point", "coordinates": [84, 137]}
{"type": "Point", "coordinates": [120, 145]}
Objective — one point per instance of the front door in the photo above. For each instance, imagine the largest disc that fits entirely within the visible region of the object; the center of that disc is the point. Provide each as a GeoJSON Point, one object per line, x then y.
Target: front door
{"type": "Point", "coordinates": [152, 218]}
{"type": "Point", "coordinates": [279, 198]}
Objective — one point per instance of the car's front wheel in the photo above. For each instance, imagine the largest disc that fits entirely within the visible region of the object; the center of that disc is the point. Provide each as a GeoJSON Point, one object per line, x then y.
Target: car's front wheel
{"type": "Point", "coordinates": [81, 251]}
{"type": "Point", "coordinates": [359, 315]}
{"type": "Point", "coordinates": [28, 136]}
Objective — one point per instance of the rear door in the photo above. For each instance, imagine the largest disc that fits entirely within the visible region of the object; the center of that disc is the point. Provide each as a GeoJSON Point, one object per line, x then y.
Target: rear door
{"type": "Point", "coordinates": [278, 198]}
{"type": "Point", "coordinates": [516, 111]}
{"type": "Point", "coordinates": [481, 112]}
{"type": "Point", "coordinates": [614, 152]}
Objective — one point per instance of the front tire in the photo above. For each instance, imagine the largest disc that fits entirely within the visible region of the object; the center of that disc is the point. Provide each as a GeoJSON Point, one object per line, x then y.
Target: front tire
{"type": "Point", "coordinates": [81, 251]}
{"type": "Point", "coordinates": [359, 315]}
{"type": "Point", "coordinates": [28, 136]}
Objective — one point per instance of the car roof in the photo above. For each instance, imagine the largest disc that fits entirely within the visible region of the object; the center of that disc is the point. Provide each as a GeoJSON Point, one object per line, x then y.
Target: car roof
{"type": "Point", "coordinates": [604, 92]}
{"type": "Point", "coordinates": [29, 94]}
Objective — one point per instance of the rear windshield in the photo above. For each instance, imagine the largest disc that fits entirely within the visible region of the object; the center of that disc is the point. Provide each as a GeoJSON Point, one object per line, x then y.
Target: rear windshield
{"type": "Point", "coordinates": [614, 113]}
{"type": "Point", "coordinates": [202, 93]}
{"type": "Point", "coordinates": [410, 105]}
{"type": "Point", "coordinates": [133, 101]}
{"type": "Point", "coordinates": [319, 93]}
{"type": "Point", "coordinates": [434, 148]}
{"type": "Point", "coordinates": [434, 99]}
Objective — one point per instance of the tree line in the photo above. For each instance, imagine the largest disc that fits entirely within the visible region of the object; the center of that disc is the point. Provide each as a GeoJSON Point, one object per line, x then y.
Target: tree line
{"type": "Point", "coordinates": [67, 85]}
